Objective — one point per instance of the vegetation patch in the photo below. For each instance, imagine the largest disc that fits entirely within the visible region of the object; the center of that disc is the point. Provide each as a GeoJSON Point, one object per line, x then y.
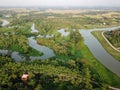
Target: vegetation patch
{"type": "Point", "coordinates": [16, 42]}
{"type": "Point", "coordinates": [72, 68]}
{"type": "Point", "coordinates": [113, 37]}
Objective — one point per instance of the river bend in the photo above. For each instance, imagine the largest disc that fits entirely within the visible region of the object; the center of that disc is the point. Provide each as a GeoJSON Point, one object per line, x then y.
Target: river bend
{"type": "Point", "coordinates": [99, 52]}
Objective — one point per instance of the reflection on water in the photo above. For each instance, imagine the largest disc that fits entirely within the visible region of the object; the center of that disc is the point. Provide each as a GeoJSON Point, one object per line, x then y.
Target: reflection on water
{"type": "Point", "coordinates": [45, 36]}
{"type": "Point", "coordinates": [4, 23]}
{"type": "Point", "coordinates": [32, 43]}
{"type": "Point", "coordinates": [45, 50]}
{"type": "Point", "coordinates": [14, 55]}
{"type": "Point", "coordinates": [63, 32]}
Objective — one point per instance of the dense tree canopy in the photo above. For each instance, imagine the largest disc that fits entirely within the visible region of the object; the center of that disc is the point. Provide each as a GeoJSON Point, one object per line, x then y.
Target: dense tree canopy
{"type": "Point", "coordinates": [45, 74]}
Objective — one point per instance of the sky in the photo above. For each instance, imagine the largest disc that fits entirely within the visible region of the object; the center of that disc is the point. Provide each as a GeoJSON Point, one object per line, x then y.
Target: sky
{"type": "Point", "coordinates": [113, 3]}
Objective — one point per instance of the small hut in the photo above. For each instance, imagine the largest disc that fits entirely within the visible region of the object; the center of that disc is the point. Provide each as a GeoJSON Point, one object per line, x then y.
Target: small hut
{"type": "Point", "coordinates": [25, 78]}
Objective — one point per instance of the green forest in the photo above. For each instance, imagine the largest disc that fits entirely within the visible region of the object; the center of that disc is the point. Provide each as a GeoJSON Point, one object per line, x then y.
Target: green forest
{"type": "Point", "coordinates": [72, 68]}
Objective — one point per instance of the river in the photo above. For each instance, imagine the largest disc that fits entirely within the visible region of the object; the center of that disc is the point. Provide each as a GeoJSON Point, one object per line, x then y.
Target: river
{"type": "Point", "coordinates": [45, 50]}
{"type": "Point", "coordinates": [99, 52]}
{"type": "Point", "coordinates": [93, 44]}
{"type": "Point", "coordinates": [13, 54]}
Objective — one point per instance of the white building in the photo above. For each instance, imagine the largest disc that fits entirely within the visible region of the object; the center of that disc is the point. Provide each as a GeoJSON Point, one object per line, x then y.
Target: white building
{"type": "Point", "coordinates": [33, 30]}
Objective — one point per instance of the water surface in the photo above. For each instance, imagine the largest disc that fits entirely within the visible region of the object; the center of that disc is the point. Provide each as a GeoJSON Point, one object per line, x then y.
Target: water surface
{"type": "Point", "coordinates": [63, 32]}
{"type": "Point", "coordinates": [99, 52]}
{"type": "Point", "coordinates": [45, 50]}
{"type": "Point", "coordinates": [5, 23]}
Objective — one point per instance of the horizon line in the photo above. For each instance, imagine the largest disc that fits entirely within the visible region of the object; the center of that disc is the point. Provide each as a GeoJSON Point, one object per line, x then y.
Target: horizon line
{"type": "Point", "coordinates": [62, 6]}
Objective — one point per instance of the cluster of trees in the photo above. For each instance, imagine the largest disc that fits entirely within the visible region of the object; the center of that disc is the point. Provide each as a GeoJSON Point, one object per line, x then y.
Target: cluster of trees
{"type": "Point", "coordinates": [45, 75]}
{"type": "Point", "coordinates": [17, 42]}
{"type": "Point", "coordinates": [69, 70]}
{"type": "Point", "coordinates": [67, 46]}
{"type": "Point", "coordinates": [84, 20]}
{"type": "Point", "coordinates": [57, 47]}
{"type": "Point", "coordinates": [113, 37]}
{"type": "Point", "coordinates": [14, 42]}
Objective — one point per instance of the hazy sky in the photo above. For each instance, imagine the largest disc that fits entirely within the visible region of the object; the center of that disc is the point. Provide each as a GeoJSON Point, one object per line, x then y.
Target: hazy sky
{"type": "Point", "coordinates": [60, 3]}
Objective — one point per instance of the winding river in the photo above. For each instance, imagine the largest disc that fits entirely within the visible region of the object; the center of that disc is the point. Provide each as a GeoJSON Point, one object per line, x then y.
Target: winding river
{"type": "Point", "coordinates": [99, 52]}
{"type": "Point", "coordinates": [45, 50]}
{"type": "Point", "coordinates": [93, 44]}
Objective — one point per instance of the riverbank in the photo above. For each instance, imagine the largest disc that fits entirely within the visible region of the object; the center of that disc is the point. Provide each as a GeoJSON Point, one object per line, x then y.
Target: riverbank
{"type": "Point", "coordinates": [97, 67]}
{"type": "Point", "coordinates": [47, 52]}
{"type": "Point", "coordinates": [107, 47]}
{"type": "Point", "coordinates": [99, 52]}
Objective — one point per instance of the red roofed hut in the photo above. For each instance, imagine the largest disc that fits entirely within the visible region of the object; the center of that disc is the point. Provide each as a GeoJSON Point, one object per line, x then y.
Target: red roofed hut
{"type": "Point", "coordinates": [25, 78]}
